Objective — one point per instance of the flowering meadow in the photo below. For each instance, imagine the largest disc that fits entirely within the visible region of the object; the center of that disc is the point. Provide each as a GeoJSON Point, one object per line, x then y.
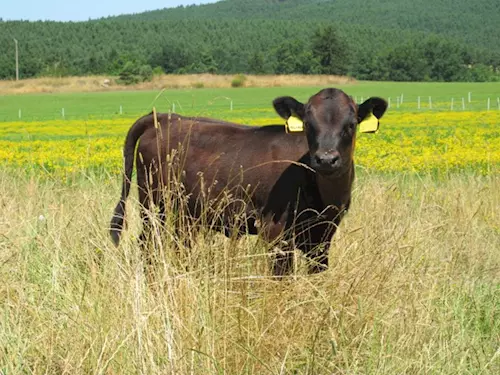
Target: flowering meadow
{"type": "Point", "coordinates": [421, 142]}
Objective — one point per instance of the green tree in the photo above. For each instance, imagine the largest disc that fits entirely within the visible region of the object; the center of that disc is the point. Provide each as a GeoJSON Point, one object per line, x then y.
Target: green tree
{"type": "Point", "coordinates": [444, 59]}
{"type": "Point", "coordinates": [206, 63]}
{"type": "Point", "coordinates": [134, 72]}
{"type": "Point", "coordinates": [370, 65]}
{"type": "Point", "coordinates": [294, 57]}
{"type": "Point", "coordinates": [129, 74]}
{"type": "Point", "coordinates": [331, 50]}
{"type": "Point", "coordinates": [145, 73]}
{"type": "Point", "coordinates": [480, 73]}
{"type": "Point", "coordinates": [407, 63]}
{"type": "Point", "coordinates": [256, 63]}
{"type": "Point", "coordinates": [172, 58]}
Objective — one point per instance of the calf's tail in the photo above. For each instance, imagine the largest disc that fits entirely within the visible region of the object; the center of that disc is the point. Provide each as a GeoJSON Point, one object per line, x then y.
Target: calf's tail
{"type": "Point", "coordinates": [133, 135]}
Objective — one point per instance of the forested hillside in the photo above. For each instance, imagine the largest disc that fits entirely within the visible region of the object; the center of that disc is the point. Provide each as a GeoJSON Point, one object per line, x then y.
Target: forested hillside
{"type": "Point", "coordinates": [471, 21]}
{"type": "Point", "coordinates": [386, 40]}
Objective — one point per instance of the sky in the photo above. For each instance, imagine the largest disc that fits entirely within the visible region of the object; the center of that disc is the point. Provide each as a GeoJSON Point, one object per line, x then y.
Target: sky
{"type": "Point", "coordinates": [81, 10]}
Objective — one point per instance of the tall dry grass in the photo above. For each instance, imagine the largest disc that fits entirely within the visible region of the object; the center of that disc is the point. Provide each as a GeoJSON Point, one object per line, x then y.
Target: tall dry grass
{"type": "Point", "coordinates": [413, 288]}
{"type": "Point", "coordinates": [167, 81]}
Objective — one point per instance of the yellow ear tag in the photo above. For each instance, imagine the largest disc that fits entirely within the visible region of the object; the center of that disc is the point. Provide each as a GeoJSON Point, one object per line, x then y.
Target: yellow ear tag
{"type": "Point", "coordinates": [294, 125]}
{"type": "Point", "coordinates": [369, 124]}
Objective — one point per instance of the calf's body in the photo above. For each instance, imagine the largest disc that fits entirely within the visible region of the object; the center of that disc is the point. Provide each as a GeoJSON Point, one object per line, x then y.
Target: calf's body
{"type": "Point", "coordinates": [245, 179]}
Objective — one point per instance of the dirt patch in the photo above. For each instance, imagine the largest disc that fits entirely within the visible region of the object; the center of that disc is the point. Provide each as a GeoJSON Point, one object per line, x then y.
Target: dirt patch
{"type": "Point", "coordinates": [167, 81]}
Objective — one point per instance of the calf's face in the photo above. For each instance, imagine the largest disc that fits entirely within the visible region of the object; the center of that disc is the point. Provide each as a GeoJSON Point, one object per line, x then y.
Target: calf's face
{"type": "Point", "coordinates": [330, 119]}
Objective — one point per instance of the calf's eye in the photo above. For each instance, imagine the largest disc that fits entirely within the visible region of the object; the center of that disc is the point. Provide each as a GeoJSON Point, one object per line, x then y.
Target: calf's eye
{"type": "Point", "coordinates": [349, 129]}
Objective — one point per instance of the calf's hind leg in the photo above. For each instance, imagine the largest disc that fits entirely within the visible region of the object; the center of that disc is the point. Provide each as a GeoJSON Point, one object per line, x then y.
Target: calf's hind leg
{"type": "Point", "coordinates": [318, 258]}
{"type": "Point", "coordinates": [151, 231]}
{"type": "Point", "coordinates": [283, 261]}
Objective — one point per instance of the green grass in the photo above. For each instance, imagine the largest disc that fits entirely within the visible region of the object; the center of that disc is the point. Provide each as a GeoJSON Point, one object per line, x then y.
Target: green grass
{"type": "Point", "coordinates": [212, 101]}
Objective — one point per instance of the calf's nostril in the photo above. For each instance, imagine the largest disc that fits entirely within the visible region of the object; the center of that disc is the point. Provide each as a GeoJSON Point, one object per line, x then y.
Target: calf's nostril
{"type": "Point", "coordinates": [327, 159]}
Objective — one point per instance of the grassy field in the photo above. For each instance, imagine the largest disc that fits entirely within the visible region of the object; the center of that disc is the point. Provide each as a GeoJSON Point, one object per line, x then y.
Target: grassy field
{"type": "Point", "coordinates": [413, 288]}
{"type": "Point", "coordinates": [104, 105]}
{"type": "Point", "coordinates": [414, 283]}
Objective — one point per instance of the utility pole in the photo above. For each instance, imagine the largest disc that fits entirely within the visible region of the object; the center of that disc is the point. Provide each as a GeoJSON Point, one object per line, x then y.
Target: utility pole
{"type": "Point", "coordinates": [17, 60]}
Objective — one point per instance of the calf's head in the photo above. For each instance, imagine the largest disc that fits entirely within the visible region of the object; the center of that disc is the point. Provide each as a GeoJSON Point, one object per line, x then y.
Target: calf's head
{"type": "Point", "coordinates": [330, 120]}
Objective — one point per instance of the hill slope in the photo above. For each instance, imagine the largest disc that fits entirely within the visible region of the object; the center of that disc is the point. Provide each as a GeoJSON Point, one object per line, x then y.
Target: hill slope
{"type": "Point", "coordinates": [262, 36]}
{"type": "Point", "coordinates": [471, 21]}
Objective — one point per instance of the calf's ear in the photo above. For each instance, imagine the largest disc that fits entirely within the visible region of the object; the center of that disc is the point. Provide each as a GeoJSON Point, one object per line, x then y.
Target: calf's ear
{"type": "Point", "coordinates": [374, 105]}
{"type": "Point", "coordinates": [369, 114]}
{"type": "Point", "coordinates": [287, 106]}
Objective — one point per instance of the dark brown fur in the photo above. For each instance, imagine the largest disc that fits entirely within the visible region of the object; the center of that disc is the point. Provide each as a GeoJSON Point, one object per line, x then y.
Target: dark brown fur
{"type": "Point", "coordinates": [292, 187]}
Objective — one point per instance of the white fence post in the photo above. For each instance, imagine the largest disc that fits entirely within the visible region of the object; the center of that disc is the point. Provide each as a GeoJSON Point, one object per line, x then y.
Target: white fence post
{"type": "Point", "coordinates": [430, 102]}
{"type": "Point", "coordinates": [470, 96]}
{"type": "Point", "coordinates": [488, 104]}
{"type": "Point", "coordinates": [231, 105]}
{"type": "Point", "coordinates": [452, 99]}
{"type": "Point", "coordinates": [19, 113]}
{"type": "Point", "coordinates": [62, 113]}
{"type": "Point", "coordinates": [389, 103]}
{"type": "Point", "coordinates": [121, 110]}
{"type": "Point", "coordinates": [463, 104]}
{"type": "Point", "coordinates": [401, 98]}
